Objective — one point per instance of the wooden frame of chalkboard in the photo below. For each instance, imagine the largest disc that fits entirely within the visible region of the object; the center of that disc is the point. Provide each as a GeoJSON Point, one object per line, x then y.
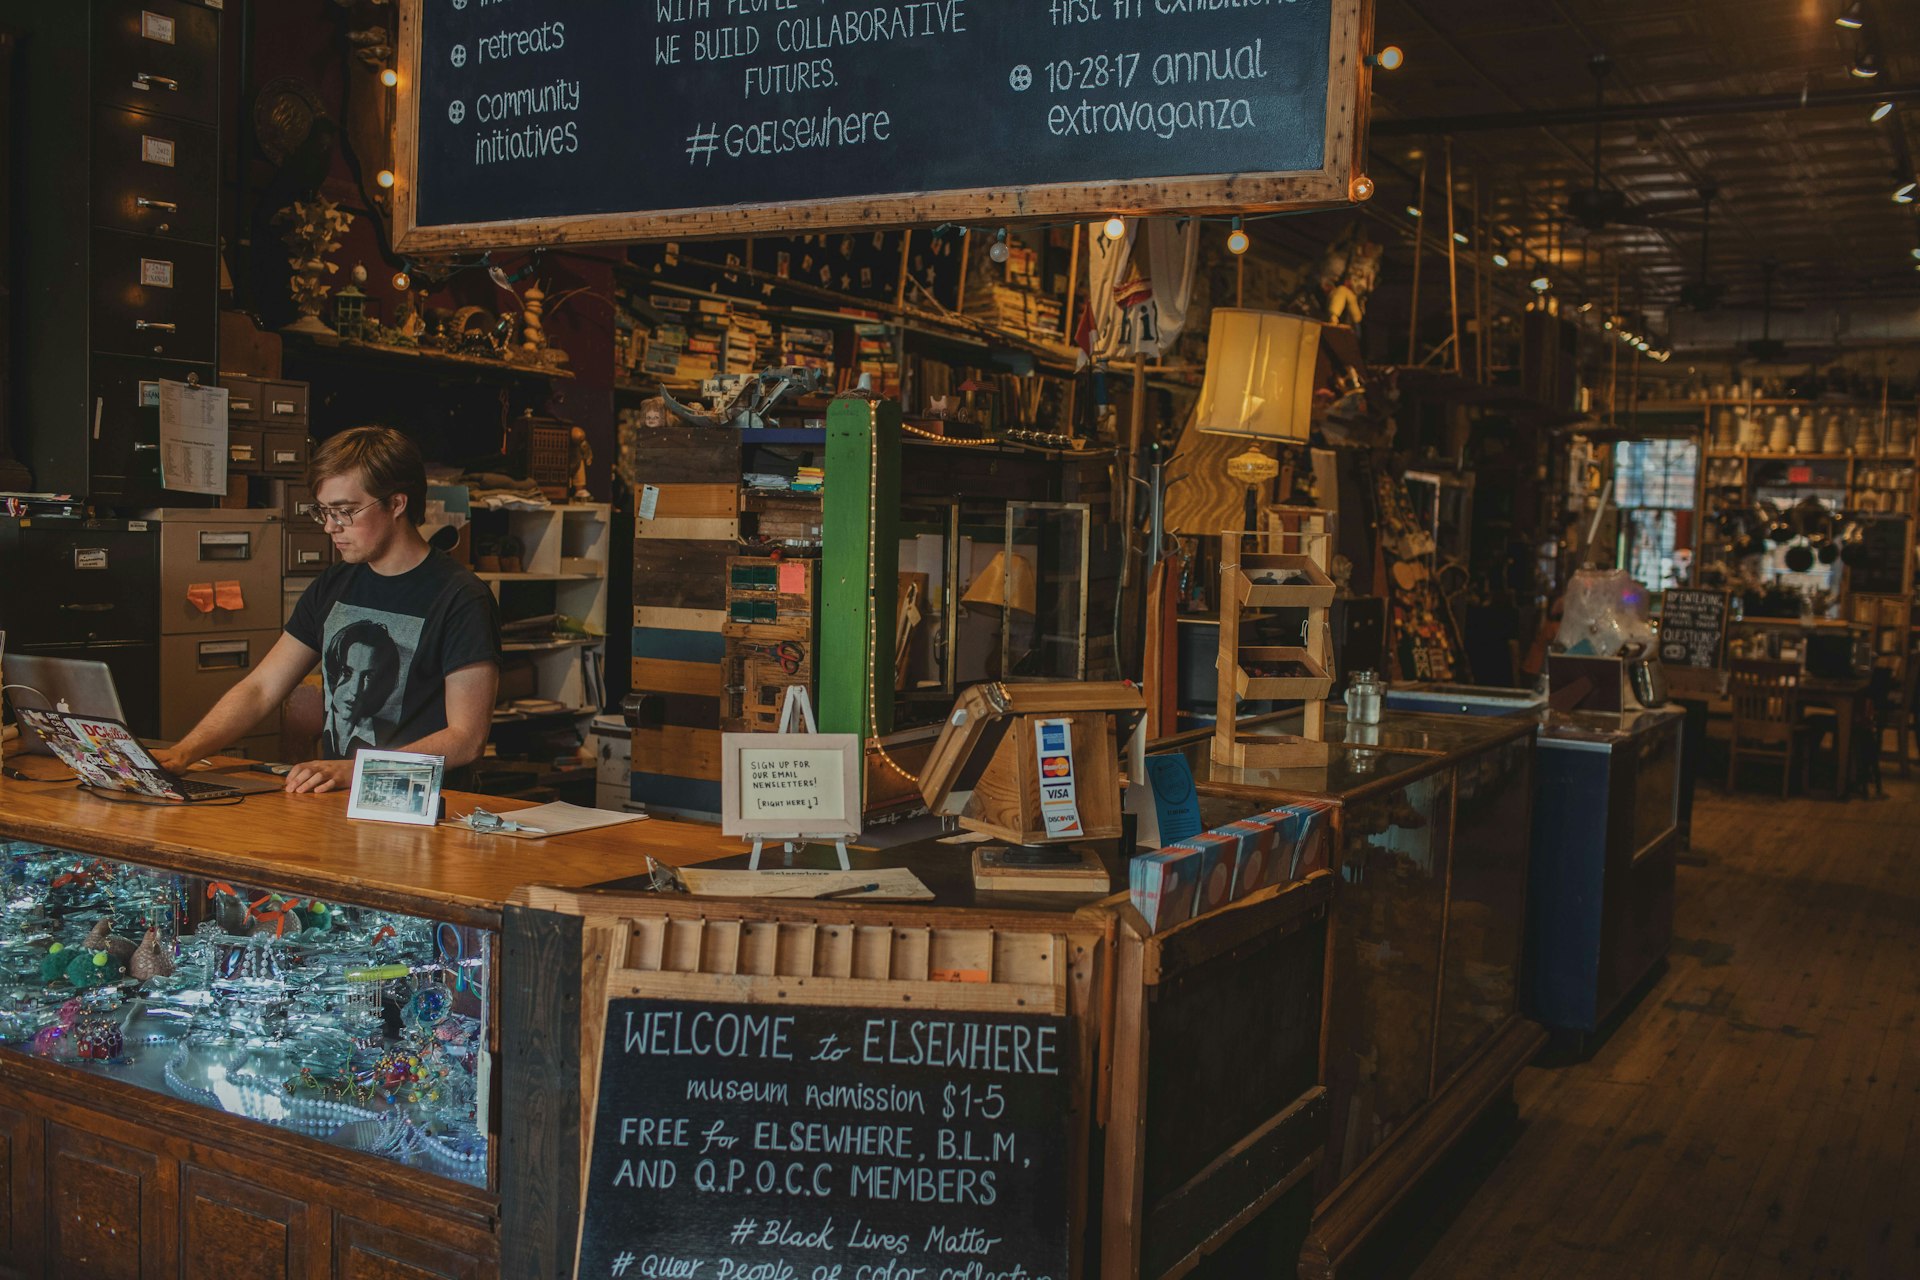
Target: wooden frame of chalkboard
{"type": "Point", "coordinates": [1155, 1024]}
{"type": "Point", "coordinates": [1336, 180]}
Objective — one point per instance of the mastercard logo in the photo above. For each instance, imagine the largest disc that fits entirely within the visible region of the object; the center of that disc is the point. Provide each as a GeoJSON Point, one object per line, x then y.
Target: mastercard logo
{"type": "Point", "coordinates": [1055, 766]}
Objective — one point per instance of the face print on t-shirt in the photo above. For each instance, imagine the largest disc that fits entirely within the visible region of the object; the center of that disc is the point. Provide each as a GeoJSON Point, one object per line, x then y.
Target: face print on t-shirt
{"type": "Point", "coordinates": [364, 667]}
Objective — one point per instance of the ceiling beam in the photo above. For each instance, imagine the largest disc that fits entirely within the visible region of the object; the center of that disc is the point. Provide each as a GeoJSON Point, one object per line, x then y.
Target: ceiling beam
{"type": "Point", "coordinates": [1619, 112]}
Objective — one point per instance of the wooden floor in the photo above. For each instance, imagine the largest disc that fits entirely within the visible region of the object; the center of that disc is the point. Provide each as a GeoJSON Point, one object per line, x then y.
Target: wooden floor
{"type": "Point", "coordinates": [1754, 1114]}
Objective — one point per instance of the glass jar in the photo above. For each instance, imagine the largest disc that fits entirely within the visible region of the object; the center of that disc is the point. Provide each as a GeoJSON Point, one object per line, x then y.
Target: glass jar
{"type": "Point", "coordinates": [1366, 694]}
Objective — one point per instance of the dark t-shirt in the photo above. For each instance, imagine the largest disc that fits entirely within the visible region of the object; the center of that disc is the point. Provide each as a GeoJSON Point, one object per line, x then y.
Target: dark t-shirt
{"type": "Point", "coordinates": [386, 645]}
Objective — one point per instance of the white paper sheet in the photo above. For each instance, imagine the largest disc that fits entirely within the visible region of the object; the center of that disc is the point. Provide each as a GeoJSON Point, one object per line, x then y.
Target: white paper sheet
{"type": "Point", "coordinates": [193, 438]}
{"type": "Point", "coordinates": [893, 884]}
{"type": "Point", "coordinates": [558, 819]}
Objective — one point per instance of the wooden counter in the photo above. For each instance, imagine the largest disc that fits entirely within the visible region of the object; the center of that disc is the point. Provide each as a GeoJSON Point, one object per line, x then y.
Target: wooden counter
{"type": "Point", "coordinates": [306, 844]}
{"type": "Point", "coordinates": [102, 1176]}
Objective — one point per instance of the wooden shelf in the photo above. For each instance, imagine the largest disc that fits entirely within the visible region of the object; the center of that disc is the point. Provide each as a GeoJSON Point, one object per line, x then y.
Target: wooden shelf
{"type": "Point", "coordinates": [426, 360]}
{"type": "Point", "coordinates": [538, 577]}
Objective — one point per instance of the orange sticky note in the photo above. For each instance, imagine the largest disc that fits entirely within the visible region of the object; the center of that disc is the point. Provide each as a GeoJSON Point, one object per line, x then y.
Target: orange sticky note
{"type": "Point", "coordinates": [793, 578]}
{"type": "Point", "coordinates": [200, 596]}
{"type": "Point", "coordinates": [227, 595]}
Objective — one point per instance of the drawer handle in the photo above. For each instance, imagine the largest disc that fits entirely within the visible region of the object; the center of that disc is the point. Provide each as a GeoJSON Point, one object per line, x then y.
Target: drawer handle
{"type": "Point", "coordinates": [146, 80]}
{"type": "Point", "coordinates": [87, 608]}
{"type": "Point", "coordinates": [157, 326]}
{"type": "Point", "coordinates": [147, 202]}
{"type": "Point", "coordinates": [146, 448]}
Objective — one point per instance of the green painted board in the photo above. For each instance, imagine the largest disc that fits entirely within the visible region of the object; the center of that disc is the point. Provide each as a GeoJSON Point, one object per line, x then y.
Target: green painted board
{"type": "Point", "coordinates": [862, 511]}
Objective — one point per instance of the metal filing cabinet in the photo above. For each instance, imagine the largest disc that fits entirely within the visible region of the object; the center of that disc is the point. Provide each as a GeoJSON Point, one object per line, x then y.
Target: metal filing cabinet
{"type": "Point", "coordinates": [123, 140]}
{"type": "Point", "coordinates": [77, 588]}
{"type": "Point", "coordinates": [206, 651]}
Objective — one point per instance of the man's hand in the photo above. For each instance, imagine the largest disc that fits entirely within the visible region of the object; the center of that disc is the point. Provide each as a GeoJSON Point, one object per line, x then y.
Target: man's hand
{"type": "Point", "coordinates": [172, 759]}
{"type": "Point", "coordinates": [317, 776]}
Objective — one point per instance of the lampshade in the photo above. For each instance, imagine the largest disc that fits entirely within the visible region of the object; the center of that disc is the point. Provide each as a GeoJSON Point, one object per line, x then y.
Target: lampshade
{"type": "Point", "coordinates": [997, 585]}
{"type": "Point", "coordinates": [1259, 374]}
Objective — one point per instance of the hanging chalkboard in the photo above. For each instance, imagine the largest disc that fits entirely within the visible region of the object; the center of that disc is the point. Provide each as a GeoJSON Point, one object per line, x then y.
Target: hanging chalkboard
{"type": "Point", "coordinates": [773, 1140]}
{"type": "Point", "coordinates": [542, 121]}
{"type": "Point", "coordinates": [1693, 628]}
{"type": "Point", "coordinates": [1883, 569]}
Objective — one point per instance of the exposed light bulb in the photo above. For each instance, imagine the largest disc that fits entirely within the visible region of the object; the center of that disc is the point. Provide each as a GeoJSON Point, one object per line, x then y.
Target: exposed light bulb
{"type": "Point", "coordinates": [1362, 188]}
{"type": "Point", "coordinates": [1413, 211]}
{"type": "Point", "coordinates": [1116, 227]}
{"type": "Point", "coordinates": [1881, 112]}
{"type": "Point", "coordinates": [1904, 195]}
{"type": "Point", "coordinates": [1499, 259]}
{"type": "Point", "coordinates": [384, 177]}
{"type": "Point", "coordinates": [999, 251]}
{"type": "Point", "coordinates": [1238, 241]}
{"type": "Point", "coordinates": [389, 77]}
{"type": "Point", "coordinates": [1390, 58]}
{"type": "Point", "coordinates": [1915, 252]}
{"type": "Point", "coordinates": [1460, 237]}
{"type": "Point", "coordinates": [1540, 284]}
{"type": "Point", "coordinates": [1640, 345]}
{"type": "Point", "coordinates": [402, 282]}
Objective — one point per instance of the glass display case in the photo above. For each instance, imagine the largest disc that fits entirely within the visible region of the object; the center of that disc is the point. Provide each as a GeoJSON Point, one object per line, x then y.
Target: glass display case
{"type": "Point", "coordinates": [1422, 1025]}
{"type": "Point", "coordinates": [362, 1028]}
{"type": "Point", "coordinates": [1389, 920]}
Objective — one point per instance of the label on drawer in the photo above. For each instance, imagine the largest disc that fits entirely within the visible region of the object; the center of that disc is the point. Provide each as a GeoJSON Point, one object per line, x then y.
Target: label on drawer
{"type": "Point", "coordinates": [156, 26]}
{"type": "Point", "coordinates": [156, 150]}
{"type": "Point", "coordinates": [285, 457]}
{"type": "Point", "coordinates": [155, 274]}
{"type": "Point", "coordinates": [149, 395]}
{"type": "Point", "coordinates": [89, 557]}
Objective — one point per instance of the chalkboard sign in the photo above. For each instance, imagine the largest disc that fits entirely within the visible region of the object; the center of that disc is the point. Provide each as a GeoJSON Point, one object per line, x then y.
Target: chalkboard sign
{"type": "Point", "coordinates": [543, 121]}
{"type": "Point", "coordinates": [1883, 570]}
{"type": "Point", "coordinates": [814, 1142]}
{"type": "Point", "coordinates": [1693, 628]}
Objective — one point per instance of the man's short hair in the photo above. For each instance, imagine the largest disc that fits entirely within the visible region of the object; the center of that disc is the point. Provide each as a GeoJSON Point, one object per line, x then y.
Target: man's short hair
{"type": "Point", "coordinates": [386, 660]}
{"type": "Point", "coordinates": [385, 461]}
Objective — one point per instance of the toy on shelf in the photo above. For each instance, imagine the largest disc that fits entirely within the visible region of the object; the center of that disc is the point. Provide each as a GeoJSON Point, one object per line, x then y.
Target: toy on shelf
{"type": "Point", "coordinates": [1282, 567]}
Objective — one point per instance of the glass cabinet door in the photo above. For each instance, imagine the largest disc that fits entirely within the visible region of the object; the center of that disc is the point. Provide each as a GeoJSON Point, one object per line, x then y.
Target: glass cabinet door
{"type": "Point", "coordinates": [1486, 901]}
{"type": "Point", "coordinates": [1388, 912]}
{"type": "Point", "coordinates": [367, 1029]}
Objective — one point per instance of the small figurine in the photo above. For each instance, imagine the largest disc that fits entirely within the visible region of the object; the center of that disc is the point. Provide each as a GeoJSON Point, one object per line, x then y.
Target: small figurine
{"type": "Point", "coordinates": [150, 960]}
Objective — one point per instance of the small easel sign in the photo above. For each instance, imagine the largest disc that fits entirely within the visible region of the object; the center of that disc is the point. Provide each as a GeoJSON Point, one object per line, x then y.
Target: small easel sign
{"type": "Point", "coordinates": [791, 787]}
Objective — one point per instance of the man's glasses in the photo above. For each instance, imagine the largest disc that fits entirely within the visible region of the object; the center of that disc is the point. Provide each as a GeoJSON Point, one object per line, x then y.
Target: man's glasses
{"type": "Point", "coordinates": [342, 516]}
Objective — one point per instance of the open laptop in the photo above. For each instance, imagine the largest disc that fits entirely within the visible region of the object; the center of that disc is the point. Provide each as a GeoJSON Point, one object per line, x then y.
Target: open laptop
{"type": "Point", "coordinates": [104, 755]}
{"type": "Point", "coordinates": [79, 685]}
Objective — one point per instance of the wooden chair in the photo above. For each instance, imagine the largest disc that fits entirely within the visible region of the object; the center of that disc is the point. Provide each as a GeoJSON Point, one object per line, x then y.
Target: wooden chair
{"type": "Point", "coordinates": [1766, 724]}
{"type": "Point", "coordinates": [1902, 714]}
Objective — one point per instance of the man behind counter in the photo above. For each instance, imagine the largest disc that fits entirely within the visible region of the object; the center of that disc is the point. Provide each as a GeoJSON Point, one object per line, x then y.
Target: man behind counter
{"type": "Point", "coordinates": [408, 641]}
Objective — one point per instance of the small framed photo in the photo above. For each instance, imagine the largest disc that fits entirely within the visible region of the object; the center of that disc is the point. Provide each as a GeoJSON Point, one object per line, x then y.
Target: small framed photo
{"type": "Point", "coordinates": [396, 786]}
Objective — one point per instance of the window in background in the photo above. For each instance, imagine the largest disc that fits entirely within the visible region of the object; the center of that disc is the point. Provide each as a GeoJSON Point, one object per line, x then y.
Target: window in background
{"type": "Point", "coordinates": [1654, 485]}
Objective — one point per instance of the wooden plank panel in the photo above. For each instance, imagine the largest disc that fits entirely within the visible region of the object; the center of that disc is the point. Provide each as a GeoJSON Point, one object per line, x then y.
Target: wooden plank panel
{"type": "Point", "coordinates": [680, 752]}
{"type": "Point", "coordinates": [687, 455]}
{"type": "Point", "coordinates": [540, 1126]}
{"type": "Point", "coordinates": [696, 502]}
{"type": "Point", "coordinates": [664, 529]}
{"type": "Point", "coordinates": [668, 618]}
{"type": "Point", "coordinates": [681, 573]}
{"type": "Point", "coordinates": [700, 679]}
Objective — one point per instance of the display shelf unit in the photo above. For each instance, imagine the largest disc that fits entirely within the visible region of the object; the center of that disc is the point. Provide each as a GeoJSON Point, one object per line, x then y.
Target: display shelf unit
{"type": "Point", "coordinates": [564, 554]}
{"type": "Point", "coordinates": [1283, 567]}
